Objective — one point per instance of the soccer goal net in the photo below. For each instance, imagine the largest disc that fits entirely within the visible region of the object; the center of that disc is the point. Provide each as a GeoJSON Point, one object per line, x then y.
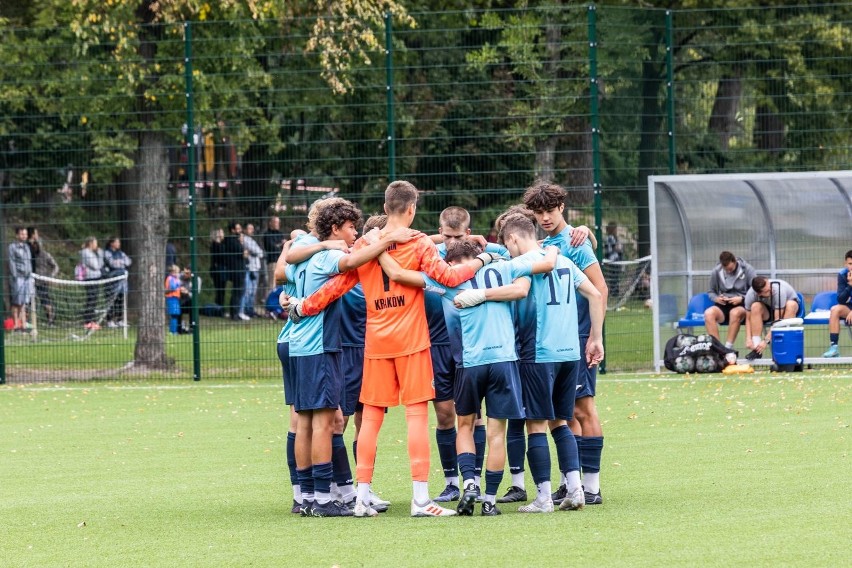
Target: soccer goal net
{"type": "Point", "coordinates": [628, 281]}
{"type": "Point", "coordinates": [72, 309]}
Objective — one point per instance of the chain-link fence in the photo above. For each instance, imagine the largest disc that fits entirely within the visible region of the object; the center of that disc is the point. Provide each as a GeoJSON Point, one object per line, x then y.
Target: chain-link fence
{"type": "Point", "coordinates": [158, 138]}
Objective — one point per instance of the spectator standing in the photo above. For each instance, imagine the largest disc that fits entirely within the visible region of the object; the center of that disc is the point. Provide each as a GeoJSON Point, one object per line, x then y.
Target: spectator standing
{"type": "Point", "coordinates": [729, 284]}
{"type": "Point", "coordinates": [173, 293]}
{"type": "Point", "coordinates": [171, 255]}
{"type": "Point", "coordinates": [234, 267]}
{"type": "Point", "coordinates": [217, 266]}
{"type": "Point", "coordinates": [92, 259]}
{"type": "Point", "coordinates": [272, 241]}
{"type": "Point", "coordinates": [613, 252]}
{"type": "Point", "coordinates": [254, 265]}
{"type": "Point", "coordinates": [44, 265]}
{"type": "Point", "coordinates": [21, 277]}
{"type": "Point", "coordinates": [116, 263]}
{"type": "Point", "coordinates": [186, 292]}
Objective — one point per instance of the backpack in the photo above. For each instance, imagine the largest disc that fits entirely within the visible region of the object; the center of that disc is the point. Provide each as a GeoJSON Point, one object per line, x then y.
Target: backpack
{"type": "Point", "coordinates": [687, 353]}
{"type": "Point", "coordinates": [80, 272]}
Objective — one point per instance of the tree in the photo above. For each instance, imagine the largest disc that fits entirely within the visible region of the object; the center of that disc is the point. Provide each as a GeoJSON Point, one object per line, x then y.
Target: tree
{"type": "Point", "coordinates": [115, 71]}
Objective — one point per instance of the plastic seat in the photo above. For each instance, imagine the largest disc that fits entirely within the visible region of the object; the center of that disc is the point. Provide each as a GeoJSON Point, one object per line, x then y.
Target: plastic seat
{"type": "Point", "coordinates": [695, 311]}
{"type": "Point", "coordinates": [820, 308]}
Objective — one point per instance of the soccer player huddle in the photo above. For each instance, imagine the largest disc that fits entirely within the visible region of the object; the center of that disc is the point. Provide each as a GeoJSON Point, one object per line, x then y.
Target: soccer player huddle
{"type": "Point", "coordinates": [394, 318]}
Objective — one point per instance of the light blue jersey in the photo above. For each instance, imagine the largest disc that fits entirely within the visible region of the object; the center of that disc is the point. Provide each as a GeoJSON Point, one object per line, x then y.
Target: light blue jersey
{"type": "Point", "coordinates": [485, 333]}
{"type": "Point", "coordinates": [320, 333]}
{"type": "Point", "coordinates": [289, 287]}
{"type": "Point", "coordinates": [547, 325]}
{"type": "Point", "coordinates": [583, 256]}
{"type": "Point", "coordinates": [490, 247]}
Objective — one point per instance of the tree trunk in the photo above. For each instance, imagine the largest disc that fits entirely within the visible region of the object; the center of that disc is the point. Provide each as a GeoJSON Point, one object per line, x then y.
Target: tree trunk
{"type": "Point", "coordinates": [769, 130]}
{"type": "Point", "coordinates": [150, 213]}
{"type": "Point", "coordinates": [577, 162]}
{"type": "Point", "coordinates": [545, 152]}
{"type": "Point", "coordinates": [723, 117]}
{"type": "Point", "coordinates": [650, 124]}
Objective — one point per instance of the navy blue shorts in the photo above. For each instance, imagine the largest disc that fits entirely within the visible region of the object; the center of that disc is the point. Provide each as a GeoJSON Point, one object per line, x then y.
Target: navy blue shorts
{"type": "Point", "coordinates": [287, 373]}
{"type": "Point", "coordinates": [352, 364]}
{"type": "Point", "coordinates": [444, 372]}
{"type": "Point", "coordinates": [319, 382]}
{"type": "Point", "coordinates": [498, 383]}
{"type": "Point", "coordinates": [587, 379]}
{"type": "Point", "coordinates": [549, 389]}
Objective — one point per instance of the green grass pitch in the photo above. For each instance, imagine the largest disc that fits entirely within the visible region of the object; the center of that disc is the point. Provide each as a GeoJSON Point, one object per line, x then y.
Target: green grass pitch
{"type": "Point", "coordinates": [697, 471]}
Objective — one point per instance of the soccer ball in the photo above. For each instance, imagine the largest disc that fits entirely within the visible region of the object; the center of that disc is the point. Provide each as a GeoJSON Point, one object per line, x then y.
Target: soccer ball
{"type": "Point", "coordinates": [705, 364]}
{"type": "Point", "coordinates": [684, 364]}
{"type": "Point", "coordinates": [685, 340]}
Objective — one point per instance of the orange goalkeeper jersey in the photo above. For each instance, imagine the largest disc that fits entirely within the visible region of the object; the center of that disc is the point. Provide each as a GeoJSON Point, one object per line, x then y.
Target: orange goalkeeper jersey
{"type": "Point", "coordinates": [396, 314]}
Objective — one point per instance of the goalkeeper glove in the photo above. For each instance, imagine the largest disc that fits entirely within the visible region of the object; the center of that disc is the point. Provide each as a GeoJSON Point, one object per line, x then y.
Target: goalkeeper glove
{"type": "Point", "coordinates": [469, 298]}
{"type": "Point", "coordinates": [488, 257]}
{"type": "Point", "coordinates": [294, 310]}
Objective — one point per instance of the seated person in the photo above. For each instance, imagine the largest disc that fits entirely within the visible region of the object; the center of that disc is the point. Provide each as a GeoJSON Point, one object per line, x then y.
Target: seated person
{"type": "Point", "coordinates": [843, 308]}
{"type": "Point", "coordinates": [767, 301]}
{"type": "Point", "coordinates": [729, 284]}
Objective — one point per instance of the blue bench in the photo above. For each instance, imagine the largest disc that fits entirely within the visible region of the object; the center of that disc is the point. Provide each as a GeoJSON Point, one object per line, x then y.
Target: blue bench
{"type": "Point", "coordinates": [694, 316]}
{"type": "Point", "coordinates": [821, 308]}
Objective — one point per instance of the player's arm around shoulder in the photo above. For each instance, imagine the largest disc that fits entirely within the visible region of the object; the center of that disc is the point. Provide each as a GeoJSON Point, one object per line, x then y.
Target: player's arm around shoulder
{"type": "Point", "coordinates": [372, 245]}
{"type": "Point", "coordinates": [398, 274]}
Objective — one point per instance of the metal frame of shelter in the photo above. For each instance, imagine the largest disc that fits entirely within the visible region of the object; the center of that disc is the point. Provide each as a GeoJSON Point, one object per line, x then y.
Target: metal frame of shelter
{"type": "Point", "coordinates": [796, 226]}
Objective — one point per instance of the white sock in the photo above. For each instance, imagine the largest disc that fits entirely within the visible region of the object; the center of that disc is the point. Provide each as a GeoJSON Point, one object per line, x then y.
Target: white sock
{"type": "Point", "coordinates": [364, 493]}
{"type": "Point", "coordinates": [452, 480]}
{"type": "Point", "coordinates": [297, 493]}
{"type": "Point", "coordinates": [572, 480]}
{"type": "Point", "coordinates": [491, 499]}
{"type": "Point", "coordinates": [476, 480]}
{"type": "Point", "coordinates": [592, 482]}
{"type": "Point", "coordinates": [729, 345]}
{"type": "Point", "coordinates": [469, 484]}
{"type": "Point", "coordinates": [322, 498]}
{"type": "Point", "coordinates": [543, 492]}
{"type": "Point", "coordinates": [518, 480]}
{"type": "Point", "coordinates": [756, 339]}
{"type": "Point", "coordinates": [421, 492]}
{"type": "Point", "coordinates": [334, 490]}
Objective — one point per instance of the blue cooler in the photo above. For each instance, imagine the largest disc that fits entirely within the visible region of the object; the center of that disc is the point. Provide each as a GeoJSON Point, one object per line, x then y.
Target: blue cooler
{"type": "Point", "coordinates": [788, 348]}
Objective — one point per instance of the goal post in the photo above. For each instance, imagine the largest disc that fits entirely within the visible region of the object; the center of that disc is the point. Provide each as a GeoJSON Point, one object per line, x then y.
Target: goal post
{"type": "Point", "coordinates": [66, 309]}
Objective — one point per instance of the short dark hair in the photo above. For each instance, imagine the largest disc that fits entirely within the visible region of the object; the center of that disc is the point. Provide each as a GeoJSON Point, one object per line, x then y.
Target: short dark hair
{"type": "Point", "coordinates": [514, 224]}
{"type": "Point", "coordinates": [462, 248]}
{"type": "Point", "coordinates": [375, 222]}
{"type": "Point", "coordinates": [513, 210]}
{"type": "Point", "coordinates": [455, 217]}
{"type": "Point", "coordinates": [336, 214]}
{"type": "Point", "coordinates": [544, 195]}
{"type": "Point", "coordinates": [848, 254]}
{"type": "Point", "coordinates": [726, 257]}
{"type": "Point", "coordinates": [758, 283]}
{"type": "Point", "coordinates": [399, 196]}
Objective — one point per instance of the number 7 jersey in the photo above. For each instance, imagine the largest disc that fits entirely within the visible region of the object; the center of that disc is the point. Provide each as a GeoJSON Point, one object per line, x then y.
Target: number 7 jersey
{"type": "Point", "coordinates": [547, 325]}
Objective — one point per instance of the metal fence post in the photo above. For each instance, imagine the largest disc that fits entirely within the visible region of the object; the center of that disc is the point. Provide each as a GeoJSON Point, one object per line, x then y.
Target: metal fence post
{"type": "Point", "coordinates": [670, 105]}
{"type": "Point", "coordinates": [193, 255]}
{"type": "Point", "coordinates": [594, 112]}
{"type": "Point", "coordinates": [389, 93]}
